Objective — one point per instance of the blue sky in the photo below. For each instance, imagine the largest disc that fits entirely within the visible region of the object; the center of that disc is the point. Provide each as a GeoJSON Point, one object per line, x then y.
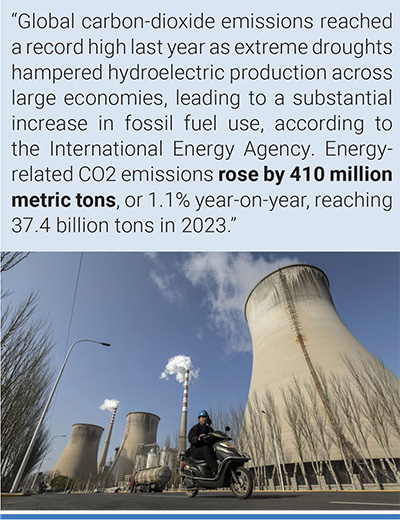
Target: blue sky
{"type": "Point", "coordinates": [152, 307]}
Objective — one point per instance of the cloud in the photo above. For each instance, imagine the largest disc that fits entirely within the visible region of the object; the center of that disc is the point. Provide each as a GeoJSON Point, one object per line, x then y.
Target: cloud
{"type": "Point", "coordinates": [166, 283]}
{"type": "Point", "coordinates": [226, 280]}
{"type": "Point", "coordinates": [177, 367]}
{"type": "Point", "coordinates": [199, 334]}
{"type": "Point", "coordinates": [152, 255]}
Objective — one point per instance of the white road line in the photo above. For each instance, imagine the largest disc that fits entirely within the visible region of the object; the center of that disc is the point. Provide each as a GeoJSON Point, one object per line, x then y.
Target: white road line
{"type": "Point", "coordinates": [367, 504]}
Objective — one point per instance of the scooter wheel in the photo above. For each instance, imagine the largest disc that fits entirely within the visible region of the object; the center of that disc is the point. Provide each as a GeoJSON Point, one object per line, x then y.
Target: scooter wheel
{"type": "Point", "coordinates": [191, 492]}
{"type": "Point", "coordinates": [242, 486]}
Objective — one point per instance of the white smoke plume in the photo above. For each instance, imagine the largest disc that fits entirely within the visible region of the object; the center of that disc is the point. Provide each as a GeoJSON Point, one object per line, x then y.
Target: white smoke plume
{"type": "Point", "coordinates": [177, 367]}
{"type": "Point", "coordinates": [109, 404]}
{"type": "Point", "coordinates": [226, 280]}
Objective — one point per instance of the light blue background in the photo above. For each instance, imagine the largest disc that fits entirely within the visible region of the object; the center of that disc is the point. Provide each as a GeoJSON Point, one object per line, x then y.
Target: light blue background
{"type": "Point", "coordinates": [257, 229]}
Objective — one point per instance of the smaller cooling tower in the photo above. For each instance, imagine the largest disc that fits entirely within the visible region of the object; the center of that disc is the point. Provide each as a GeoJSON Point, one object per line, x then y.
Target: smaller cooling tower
{"type": "Point", "coordinates": [79, 459]}
{"type": "Point", "coordinates": [141, 428]}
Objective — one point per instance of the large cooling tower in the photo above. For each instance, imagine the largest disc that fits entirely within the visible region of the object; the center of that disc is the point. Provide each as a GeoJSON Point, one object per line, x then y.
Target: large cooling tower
{"type": "Point", "coordinates": [141, 428]}
{"type": "Point", "coordinates": [296, 335]}
{"type": "Point", "coordinates": [79, 459]}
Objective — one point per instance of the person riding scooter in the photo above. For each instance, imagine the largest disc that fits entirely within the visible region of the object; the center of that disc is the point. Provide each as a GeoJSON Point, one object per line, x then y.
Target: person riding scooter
{"type": "Point", "coordinates": [199, 449]}
{"type": "Point", "coordinates": [195, 473]}
{"type": "Point", "coordinates": [42, 488]}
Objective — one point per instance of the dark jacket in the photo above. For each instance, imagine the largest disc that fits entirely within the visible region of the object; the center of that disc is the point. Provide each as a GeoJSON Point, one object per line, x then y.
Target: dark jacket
{"type": "Point", "coordinates": [195, 432]}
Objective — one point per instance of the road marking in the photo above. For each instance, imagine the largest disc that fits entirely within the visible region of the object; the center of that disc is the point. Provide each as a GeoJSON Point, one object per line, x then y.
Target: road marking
{"type": "Point", "coordinates": [367, 503]}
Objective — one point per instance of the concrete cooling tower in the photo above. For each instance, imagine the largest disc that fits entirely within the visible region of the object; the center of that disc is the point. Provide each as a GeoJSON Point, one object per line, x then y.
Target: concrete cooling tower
{"type": "Point", "coordinates": [79, 459]}
{"type": "Point", "coordinates": [299, 339]}
{"type": "Point", "coordinates": [141, 428]}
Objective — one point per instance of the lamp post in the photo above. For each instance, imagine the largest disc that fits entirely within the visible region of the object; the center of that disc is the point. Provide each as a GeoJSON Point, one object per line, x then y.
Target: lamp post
{"type": "Point", "coordinates": [34, 436]}
{"type": "Point", "coordinates": [44, 458]}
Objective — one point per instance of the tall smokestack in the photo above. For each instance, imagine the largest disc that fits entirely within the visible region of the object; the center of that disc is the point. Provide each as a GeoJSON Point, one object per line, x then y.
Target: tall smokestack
{"type": "Point", "coordinates": [180, 366]}
{"type": "Point", "coordinates": [103, 456]}
{"type": "Point", "coordinates": [183, 428]}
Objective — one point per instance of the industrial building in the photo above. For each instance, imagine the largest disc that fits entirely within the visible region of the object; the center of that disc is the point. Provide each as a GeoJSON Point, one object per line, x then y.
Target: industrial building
{"type": "Point", "coordinates": [138, 451]}
{"type": "Point", "coordinates": [314, 390]}
{"type": "Point", "coordinates": [141, 428]}
{"type": "Point", "coordinates": [79, 458]}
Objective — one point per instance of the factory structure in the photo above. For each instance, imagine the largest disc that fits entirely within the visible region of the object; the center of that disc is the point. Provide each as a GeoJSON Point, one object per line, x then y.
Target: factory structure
{"type": "Point", "coordinates": [104, 452]}
{"type": "Point", "coordinates": [315, 417]}
{"type": "Point", "coordinates": [314, 391]}
{"type": "Point", "coordinates": [141, 428]}
{"type": "Point", "coordinates": [79, 459]}
{"type": "Point", "coordinates": [183, 427]}
{"type": "Point", "coordinates": [138, 451]}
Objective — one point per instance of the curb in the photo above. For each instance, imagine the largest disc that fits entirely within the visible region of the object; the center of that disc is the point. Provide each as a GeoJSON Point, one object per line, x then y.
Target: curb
{"type": "Point", "coordinates": [3, 495]}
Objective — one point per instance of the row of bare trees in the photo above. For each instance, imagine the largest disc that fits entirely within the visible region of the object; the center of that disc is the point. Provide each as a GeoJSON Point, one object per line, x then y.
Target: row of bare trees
{"type": "Point", "coordinates": [355, 414]}
{"type": "Point", "coordinates": [25, 348]}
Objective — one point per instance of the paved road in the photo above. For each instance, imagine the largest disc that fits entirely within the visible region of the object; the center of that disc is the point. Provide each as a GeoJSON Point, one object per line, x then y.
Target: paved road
{"type": "Point", "coordinates": [259, 501]}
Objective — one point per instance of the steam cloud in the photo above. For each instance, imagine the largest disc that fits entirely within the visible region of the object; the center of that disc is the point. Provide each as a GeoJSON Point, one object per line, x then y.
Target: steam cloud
{"type": "Point", "coordinates": [177, 366]}
{"type": "Point", "coordinates": [109, 404]}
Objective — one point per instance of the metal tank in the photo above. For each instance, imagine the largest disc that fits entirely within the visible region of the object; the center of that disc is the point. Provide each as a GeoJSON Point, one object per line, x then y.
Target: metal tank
{"type": "Point", "coordinates": [169, 457]}
{"type": "Point", "coordinates": [153, 457]}
{"type": "Point", "coordinates": [298, 336]}
{"type": "Point", "coordinates": [152, 479]}
{"type": "Point", "coordinates": [141, 428]}
{"type": "Point", "coordinates": [79, 459]}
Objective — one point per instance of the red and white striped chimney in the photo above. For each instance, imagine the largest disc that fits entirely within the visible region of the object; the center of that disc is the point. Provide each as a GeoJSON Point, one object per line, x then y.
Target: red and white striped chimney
{"type": "Point", "coordinates": [103, 456]}
{"type": "Point", "coordinates": [183, 428]}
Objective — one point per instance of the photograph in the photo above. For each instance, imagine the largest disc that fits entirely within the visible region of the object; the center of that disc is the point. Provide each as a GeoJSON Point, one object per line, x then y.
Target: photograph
{"type": "Point", "coordinates": [137, 381]}
{"type": "Point", "coordinates": [200, 260]}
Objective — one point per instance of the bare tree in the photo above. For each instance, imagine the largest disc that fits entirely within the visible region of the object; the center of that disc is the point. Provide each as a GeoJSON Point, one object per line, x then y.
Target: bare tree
{"type": "Point", "coordinates": [325, 437]}
{"type": "Point", "coordinates": [257, 438]}
{"type": "Point", "coordinates": [236, 414]}
{"type": "Point", "coordinates": [306, 427]}
{"type": "Point", "coordinates": [376, 388]}
{"type": "Point", "coordinates": [274, 433]}
{"type": "Point", "coordinates": [232, 417]}
{"type": "Point", "coordinates": [250, 440]}
{"type": "Point", "coordinates": [385, 386]}
{"type": "Point", "coordinates": [294, 421]}
{"type": "Point", "coordinates": [349, 406]}
{"type": "Point", "coordinates": [167, 442]}
{"type": "Point", "coordinates": [9, 260]}
{"type": "Point", "coordinates": [219, 417]}
{"type": "Point", "coordinates": [25, 347]}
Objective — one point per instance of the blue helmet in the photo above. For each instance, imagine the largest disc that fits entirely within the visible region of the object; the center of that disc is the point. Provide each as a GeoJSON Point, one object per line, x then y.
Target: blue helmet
{"type": "Point", "coordinates": [203, 413]}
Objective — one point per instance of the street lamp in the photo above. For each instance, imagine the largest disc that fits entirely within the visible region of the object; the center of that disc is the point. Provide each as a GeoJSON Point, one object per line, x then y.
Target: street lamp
{"type": "Point", "coordinates": [34, 437]}
{"type": "Point", "coordinates": [44, 457]}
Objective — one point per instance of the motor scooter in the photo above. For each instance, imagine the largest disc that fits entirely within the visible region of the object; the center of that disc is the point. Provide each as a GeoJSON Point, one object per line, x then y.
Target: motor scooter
{"type": "Point", "coordinates": [196, 474]}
